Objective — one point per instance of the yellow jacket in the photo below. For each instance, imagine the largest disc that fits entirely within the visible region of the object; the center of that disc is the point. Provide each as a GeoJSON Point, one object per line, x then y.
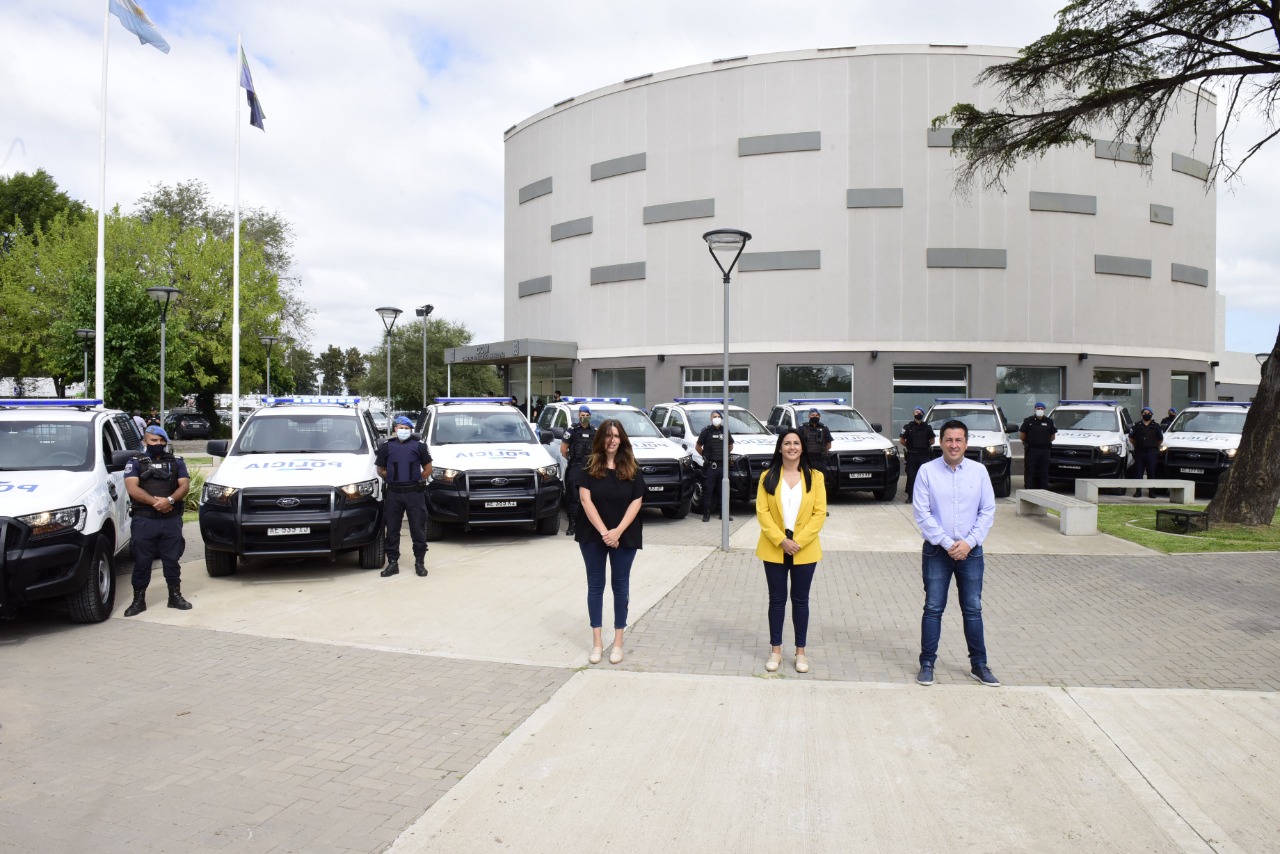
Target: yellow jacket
{"type": "Point", "coordinates": [809, 521]}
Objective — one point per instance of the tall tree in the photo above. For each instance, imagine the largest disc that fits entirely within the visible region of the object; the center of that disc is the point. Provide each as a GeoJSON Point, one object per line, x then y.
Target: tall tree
{"type": "Point", "coordinates": [354, 367]}
{"type": "Point", "coordinates": [330, 363]}
{"type": "Point", "coordinates": [1124, 66]}
{"type": "Point", "coordinates": [301, 365]}
{"type": "Point", "coordinates": [406, 365]}
{"type": "Point", "coordinates": [32, 201]}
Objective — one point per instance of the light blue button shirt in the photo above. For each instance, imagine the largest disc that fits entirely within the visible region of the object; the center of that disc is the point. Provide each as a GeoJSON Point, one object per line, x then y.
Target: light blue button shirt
{"type": "Point", "coordinates": [953, 504]}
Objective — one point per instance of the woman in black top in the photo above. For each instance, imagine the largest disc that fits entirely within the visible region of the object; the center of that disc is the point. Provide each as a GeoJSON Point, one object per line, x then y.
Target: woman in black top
{"type": "Point", "coordinates": [610, 490]}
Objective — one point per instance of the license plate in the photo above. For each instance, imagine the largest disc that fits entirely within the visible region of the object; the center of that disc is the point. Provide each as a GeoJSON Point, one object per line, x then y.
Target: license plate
{"type": "Point", "coordinates": [858, 474]}
{"type": "Point", "coordinates": [488, 504]}
{"type": "Point", "coordinates": [1073, 468]}
{"type": "Point", "coordinates": [1192, 471]}
{"type": "Point", "coordinates": [286, 532]}
{"type": "Point", "coordinates": [656, 488]}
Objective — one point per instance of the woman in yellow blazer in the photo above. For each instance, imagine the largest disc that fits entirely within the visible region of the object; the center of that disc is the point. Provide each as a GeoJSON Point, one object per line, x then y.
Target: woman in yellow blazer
{"type": "Point", "coordinates": [791, 506]}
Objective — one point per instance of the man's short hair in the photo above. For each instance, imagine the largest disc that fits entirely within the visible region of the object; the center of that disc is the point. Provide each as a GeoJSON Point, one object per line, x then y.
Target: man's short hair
{"type": "Point", "coordinates": [954, 424]}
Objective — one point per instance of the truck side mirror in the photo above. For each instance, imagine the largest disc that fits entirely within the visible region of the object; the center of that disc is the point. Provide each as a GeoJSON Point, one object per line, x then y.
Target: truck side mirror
{"type": "Point", "coordinates": [875, 426]}
{"type": "Point", "coordinates": [675, 431]}
{"type": "Point", "coordinates": [119, 459]}
{"type": "Point", "coordinates": [545, 437]}
{"type": "Point", "coordinates": [217, 448]}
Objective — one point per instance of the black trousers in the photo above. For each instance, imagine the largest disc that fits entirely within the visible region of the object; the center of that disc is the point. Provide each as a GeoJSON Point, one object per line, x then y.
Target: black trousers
{"type": "Point", "coordinates": [1145, 461]}
{"type": "Point", "coordinates": [711, 473]}
{"type": "Point", "coordinates": [915, 459]}
{"type": "Point", "coordinates": [571, 502]}
{"type": "Point", "coordinates": [1035, 468]}
{"type": "Point", "coordinates": [394, 507]}
{"type": "Point", "coordinates": [157, 538]}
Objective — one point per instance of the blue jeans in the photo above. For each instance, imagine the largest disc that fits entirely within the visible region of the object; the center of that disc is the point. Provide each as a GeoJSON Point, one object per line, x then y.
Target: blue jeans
{"type": "Point", "coordinates": [775, 575]}
{"type": "Point", "coordinates": [937, 568]}
{"type": "Point", "coordinates": [595, 556]}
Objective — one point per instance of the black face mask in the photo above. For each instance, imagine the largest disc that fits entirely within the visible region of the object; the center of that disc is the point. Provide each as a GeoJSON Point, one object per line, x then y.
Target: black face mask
{"type": "Point", "coordinates": [155, 450]}
{"type": "Point", "coordinates": [919, 416]}
{"type": "Point", "coordinates": [814, 420]}
{"type": "Point", "coordinates": [1146, 416]}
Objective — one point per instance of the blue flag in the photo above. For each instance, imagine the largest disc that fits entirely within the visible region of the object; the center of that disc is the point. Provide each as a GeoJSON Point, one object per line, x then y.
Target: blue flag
{"type": "Point", "coordinates": [136, 21]}
{"type": "Point", "coordinates": [256, 115]}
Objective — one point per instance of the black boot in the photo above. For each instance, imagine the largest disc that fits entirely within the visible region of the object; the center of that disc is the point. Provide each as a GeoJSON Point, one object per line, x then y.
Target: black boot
{"type": "Point", "coordinates": [706, 515]}
{"type": "Point", "coordinates": [139, 603]}
{"type": "Point", "coordinates": [420, 568]}
{"type": "Point", "coordinates": [393, 568]}
{"type": "Point", "coordinates": [572, 528]}
{"type": "Point", "coordinates": [175, 597]}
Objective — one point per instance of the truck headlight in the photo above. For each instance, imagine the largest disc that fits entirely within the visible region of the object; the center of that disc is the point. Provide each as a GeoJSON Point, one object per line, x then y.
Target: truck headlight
{"type": "Point", "coordinates": [686, 464]}
{"type": "Point", "coordinates": [218, 495]}
{"type": "Point", "coordinates": [446, 476]}
{"type": "Point", "coordinates": [546, 474]}
{"type": "Point", "coordinates": [52, 522]}
{"type": "Point", "coordinates": [995, 450]}
{"type": "Point", "coordinates": [1108, 450]}
{"type": "Point", "coordinates": [362, 491]}
{"type": "Point", "coordinates": [1231, 453]}
{"type": "Point", "coordinates": [891, 452]}
{"type": "Point", "coordinates": [1163, 448]}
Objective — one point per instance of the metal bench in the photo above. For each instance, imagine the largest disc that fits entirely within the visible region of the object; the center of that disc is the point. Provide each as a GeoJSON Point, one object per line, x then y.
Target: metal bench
{"type": "Point", "coordinates": [1180, 491]}
{"type": "Point", "coordinates": [1076, 518]}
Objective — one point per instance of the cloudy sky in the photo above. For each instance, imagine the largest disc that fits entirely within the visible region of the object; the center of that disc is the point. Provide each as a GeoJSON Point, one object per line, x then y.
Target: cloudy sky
{"type": "Point", "coordinates": [385, 120]}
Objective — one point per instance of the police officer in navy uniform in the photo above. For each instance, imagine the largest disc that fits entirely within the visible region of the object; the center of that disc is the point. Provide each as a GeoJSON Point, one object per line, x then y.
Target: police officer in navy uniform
{"type": "Point", "coordinates": [1146, 436]}
{"type": "Point", "coordinates": [711, 447]}
{"type": "Point", "coordinates": [1037, 432]}
{"type": "Point", "coordinates": [917, 437]}
{"type": "Point", "coordinates": [576, 450]}
{"type": "Point", "coordinates": [405, 464]}
{"type": "Point", "coordinates": [157, 483]}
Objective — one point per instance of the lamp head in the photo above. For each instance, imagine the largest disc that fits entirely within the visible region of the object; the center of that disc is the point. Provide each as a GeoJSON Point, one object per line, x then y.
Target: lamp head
{"type": "Point", "coordinates": [389, 315]}
{"type": "Point", "coordinates": [424, 311]}
{"type": "Point", "coordinates": [86, 334]}
{"type": "Point", "coordinates": [163, 295]}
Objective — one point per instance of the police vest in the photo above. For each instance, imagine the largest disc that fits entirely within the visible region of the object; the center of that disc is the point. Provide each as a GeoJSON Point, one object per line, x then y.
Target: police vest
{"type": "Point", "coordinates": [815, 443]}
{"type": "Point", "coordinates": [157, 477]}
{"type": "Point", "coordinates": [580, 440]}
{"type": "Point", "coordinates": [919, 436]}
{"type": "Point", "coordinates": [404, 461]}
{"type": "Point", "coordinates": [1039, 432]}
{"type": "Point", "coordinates": [712, 441]}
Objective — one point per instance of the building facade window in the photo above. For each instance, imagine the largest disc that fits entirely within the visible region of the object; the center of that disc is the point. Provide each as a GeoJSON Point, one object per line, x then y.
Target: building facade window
{"type": "Point", "coordinates": [920, 385]}
{"type": "Point", "coordinates": [621, 382]}
{"type": "Point", "coordinates": [547, 377]}
{"type": "Point", "coordinates": [815, 381]}
{"type": "Point", "coordinates": [709, 382]}
{"type": "Point", "coordinates": [1184, 387]}
{"type": "Point", "coordinates": [1020, 388]}
{"type": "Point", "coordinates": [1122, 385]}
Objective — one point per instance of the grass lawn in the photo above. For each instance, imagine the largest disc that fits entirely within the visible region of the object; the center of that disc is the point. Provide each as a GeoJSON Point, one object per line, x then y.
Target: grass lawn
{"type": "Point", "coordinates": [1137, 523]}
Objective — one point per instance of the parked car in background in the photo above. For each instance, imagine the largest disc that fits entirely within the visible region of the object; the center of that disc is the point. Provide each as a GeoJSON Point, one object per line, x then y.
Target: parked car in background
{"type": "Point", "coordinates": [186, 425]}
{"type": "Point", "coordinates": [380, 421]}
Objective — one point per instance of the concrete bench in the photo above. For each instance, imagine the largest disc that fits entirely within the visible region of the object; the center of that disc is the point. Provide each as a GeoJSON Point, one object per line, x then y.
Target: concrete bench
{"type": "Point", "coordinates": [1076, 518]}
{"type": "Point", "coordinates": [1180, 491]}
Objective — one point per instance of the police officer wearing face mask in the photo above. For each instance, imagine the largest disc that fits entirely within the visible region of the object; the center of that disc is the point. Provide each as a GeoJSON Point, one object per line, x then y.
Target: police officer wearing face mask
{"type": "Point", "coordinates": [1168, 419]}
{"type": "Point", "coordinates": [1146, 436]}
{"type": "Point", "coordinates": [405, 464]}
{"type": "Point", "coordinates": [576, 449]}
{"type": "Point", "coordinates": [917, 437]}
{"type": "Point", "coordinates": [157, 483]}
{"type": "Point", "coordinates": [711, 446]}
{"type": "Point", "coordinates": [1037, 432]}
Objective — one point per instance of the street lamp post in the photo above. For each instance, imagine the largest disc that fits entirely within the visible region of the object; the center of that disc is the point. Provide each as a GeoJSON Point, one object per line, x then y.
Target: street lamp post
{"type": "Point", "coordinates": [86, 335]}
{"type": "Point", "coordinates": [726, 242]}
{"type": "Point", "coordinates": [1261, 357]}
{"type": "Point", "coordinates": [389, 316]}
{"type": "Point", "coordinates": [163, 295]}
{"type": "Point", "coordinates": [424, 312]}
{"type": "Point", "coordinates": [268, 341]}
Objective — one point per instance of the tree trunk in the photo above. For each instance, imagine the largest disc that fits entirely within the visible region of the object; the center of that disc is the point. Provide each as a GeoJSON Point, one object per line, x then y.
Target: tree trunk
{"type": "Point", "coordinates": [1249, 493]}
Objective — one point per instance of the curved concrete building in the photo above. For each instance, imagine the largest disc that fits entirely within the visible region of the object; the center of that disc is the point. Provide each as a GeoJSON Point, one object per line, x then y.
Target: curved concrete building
{"type": "Point", "coordinates": [868, 275]}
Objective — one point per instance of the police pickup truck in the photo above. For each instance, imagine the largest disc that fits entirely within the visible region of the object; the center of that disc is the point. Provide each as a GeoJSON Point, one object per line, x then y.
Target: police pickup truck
{"type": "Point", "coordinates": [1202, 442]}
{"type": "Point", "coordinates": [683, 419]}
{"type": "Point", "coordinates": [489, 467]}
{"type": "Point", "coordinates": [1092, 440]}
{"type": "Point", "coordinates": [667, 468]}
{"type": "Point", "coordinates": [988, 436]}
{"type": "Point", "coordinates": [860, 458]}
{"type": "Point", "coordinates": [64, 511]}
{"type": "Point", "coordinates": [299, 481]}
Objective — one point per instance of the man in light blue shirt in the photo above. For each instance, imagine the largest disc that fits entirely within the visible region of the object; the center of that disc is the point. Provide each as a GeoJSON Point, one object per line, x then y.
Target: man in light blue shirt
{"type": "Point", "coordinates": [954, 507]}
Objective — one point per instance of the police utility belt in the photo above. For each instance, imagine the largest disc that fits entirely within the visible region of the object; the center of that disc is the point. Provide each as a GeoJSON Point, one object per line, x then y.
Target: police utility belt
{"type": "Point", "coordinates": [416, 486]}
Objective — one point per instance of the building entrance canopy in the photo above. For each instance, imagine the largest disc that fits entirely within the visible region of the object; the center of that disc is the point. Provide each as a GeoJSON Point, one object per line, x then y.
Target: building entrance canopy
{"type": "Point", "coordinates": [517, 351]}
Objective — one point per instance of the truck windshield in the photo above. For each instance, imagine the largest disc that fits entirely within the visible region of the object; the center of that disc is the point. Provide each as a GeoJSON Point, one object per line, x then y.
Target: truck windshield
{"type": "Point", "coordinates": [842, 421]}
{"type": "Point", "coordinates": [974, 419]}
{"type": "Point", "coordinates": [636, 423]}
{"type": "Point", "coordinates": [1086, 419]}
{"type": "Point", "coordinates": [741, 421]}
{"type": "Point", "coordinates": [295, 433]}
{"type": "Point", "coordinates": [43, 445]}
{"type": "Point", "coordinates": [1208, 422]}
{"type": "Point", "coordinates": [504, 425]}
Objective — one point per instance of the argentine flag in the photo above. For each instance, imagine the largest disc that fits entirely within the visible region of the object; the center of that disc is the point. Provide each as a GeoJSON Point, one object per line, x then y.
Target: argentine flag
{"type": "Point", "coordinates": [136, 21]}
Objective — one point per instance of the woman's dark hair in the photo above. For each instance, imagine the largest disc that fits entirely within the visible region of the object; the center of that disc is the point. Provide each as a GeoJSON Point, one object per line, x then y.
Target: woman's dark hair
{"type": "Point", "coordinates": [773, 474]}
{"type": "Point", "coordinates": [624, 461]}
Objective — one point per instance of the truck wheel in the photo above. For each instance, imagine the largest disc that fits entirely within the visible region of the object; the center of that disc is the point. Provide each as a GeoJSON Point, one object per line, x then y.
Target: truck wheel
{"type": "Point", "coordinates": [434, 529]}
{"type": "Point", "coordinates": [92, 603]}
{"type": "Point", "coordinates": [889, 492]}
{"type": "Point", "coordinates": [679, 512]}
{"type": "Point", "coordinates": [1004, 488]}
{"type": "Point", "coordinates": [373, 555]}
{"type": "Point", "coordinates": [218, 564]}
{"type": "Point", "coordinates": [548, 525]}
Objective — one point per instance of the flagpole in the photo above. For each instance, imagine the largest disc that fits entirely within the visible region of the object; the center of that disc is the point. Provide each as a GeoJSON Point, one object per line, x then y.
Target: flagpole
{"type": "Point", "coordinates": [235, 267]}
{"type": "Point", "coordinates": [100, 267]}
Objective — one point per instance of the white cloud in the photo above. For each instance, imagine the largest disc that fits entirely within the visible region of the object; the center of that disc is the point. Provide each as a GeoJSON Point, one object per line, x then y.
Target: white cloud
{"type": "Point", "coordinates": [385, 120]}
